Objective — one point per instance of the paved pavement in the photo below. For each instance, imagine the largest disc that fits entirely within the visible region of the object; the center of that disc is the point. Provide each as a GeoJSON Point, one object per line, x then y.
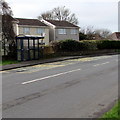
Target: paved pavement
{"type": "Point", "coordinates": [75, 88]}
{"type": "Point", "coordinates": [36, 62]}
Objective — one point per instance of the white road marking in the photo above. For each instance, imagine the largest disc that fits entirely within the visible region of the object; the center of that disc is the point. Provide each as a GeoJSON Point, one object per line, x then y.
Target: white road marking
{"type": "Point", "coordinates": [3, 72]}
{"type": "Point", "coordinates": [101, 64]}
{"type": "Point", "coordinates": [105, 63]}
{"type": "Point", "coordinates": [51, 76]}
{"type": "Point", "coordinates": [117, 60]}
{"type": "Point", "coordinates": [96, 65]}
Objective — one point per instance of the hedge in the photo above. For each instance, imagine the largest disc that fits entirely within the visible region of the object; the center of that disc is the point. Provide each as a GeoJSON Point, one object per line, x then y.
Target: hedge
{"type": "Point", "coordinates": [108, 44]}
{"type": "Point", "coordinates": [73, 45]}
{"type": "Point", "coordinates": [68, 45]}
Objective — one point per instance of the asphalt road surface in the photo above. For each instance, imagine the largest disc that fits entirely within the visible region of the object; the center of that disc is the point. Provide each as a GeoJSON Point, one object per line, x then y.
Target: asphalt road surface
{"type": "Point", "coordinates": [77, 88]}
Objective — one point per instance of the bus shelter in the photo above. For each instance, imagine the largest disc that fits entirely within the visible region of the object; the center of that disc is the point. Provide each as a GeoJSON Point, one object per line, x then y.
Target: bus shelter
{"type": "Point", "coordinates": [29, 47]}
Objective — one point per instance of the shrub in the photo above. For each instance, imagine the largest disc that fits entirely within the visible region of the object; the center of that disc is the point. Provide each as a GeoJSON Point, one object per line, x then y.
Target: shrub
{"type": "Point", "coordinates": [89, 44]}
{"type": "Point", "coordinates": [68, 45]}
{"type": "Point", "coordinates": [48, 50]}
{"type": "Point", "coordinates": [56, 46]}
{"type": "Point", "coordinates": [74, 46]}
{"type": "Point", "coordinates": [82, 36]}
{"type": "Point", "coordinates": [108, 44]}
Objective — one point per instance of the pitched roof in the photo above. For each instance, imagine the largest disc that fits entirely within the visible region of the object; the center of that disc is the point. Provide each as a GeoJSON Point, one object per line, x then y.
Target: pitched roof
{"type": "Point", "coordinates": [117, 34]}
{"type": "Point", "coordinates": [32, 22]}
{"type": "Point", "coordinates": [61, 23]}
{"type": "Point", "coordinates": [8, 17]}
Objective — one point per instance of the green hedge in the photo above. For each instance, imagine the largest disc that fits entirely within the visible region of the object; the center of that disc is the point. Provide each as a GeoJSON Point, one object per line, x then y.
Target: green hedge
{"type": "Point", "coordinates": [68, 45]}
{"type": "Point", "coordinates": [73, 45]}
{"type": "Point", "coordinates": [108, 44]}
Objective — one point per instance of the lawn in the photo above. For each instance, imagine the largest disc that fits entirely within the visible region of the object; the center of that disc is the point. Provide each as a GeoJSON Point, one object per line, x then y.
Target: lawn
{"type": "Point", "coordinates": [113, 113]}
{"type": "Point", "coordinates": [7, 62]}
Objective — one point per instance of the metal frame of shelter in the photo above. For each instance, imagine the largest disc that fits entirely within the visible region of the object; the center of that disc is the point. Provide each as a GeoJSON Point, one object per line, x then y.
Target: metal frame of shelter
{"type": "Point", "coordinates": [29, 47]}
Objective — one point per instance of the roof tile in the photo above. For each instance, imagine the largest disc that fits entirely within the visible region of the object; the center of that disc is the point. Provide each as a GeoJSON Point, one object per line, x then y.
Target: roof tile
{"type": "Point", "coordinates": [61, 23]}
{"type": "Point", "coordinates": [117, 35]}
{"type": "Point", "coordinates": [32, 22]}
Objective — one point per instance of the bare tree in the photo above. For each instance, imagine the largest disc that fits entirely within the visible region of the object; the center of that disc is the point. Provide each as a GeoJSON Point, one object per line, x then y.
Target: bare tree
{"type": "Point", "coordinates": [60, 13]}
{"type": "Point", "coordinates": [8, 35]}
{"type": "Point", "coordinates": [90, 32]}
{"type": "Point", "coordinates": [104, 33]}
{"type": "Point", "coordinates": [82, 34]}
{"type": "Point", "coordinates": [97, 34]}
{"type": "Point", "coordinates": [46, 15]}
{"type": "Point", "coordinates": [4, 8]}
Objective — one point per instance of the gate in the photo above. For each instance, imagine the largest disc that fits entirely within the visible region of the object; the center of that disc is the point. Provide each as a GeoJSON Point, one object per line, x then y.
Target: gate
{"type": "Point", "coordinates": [29, 48]}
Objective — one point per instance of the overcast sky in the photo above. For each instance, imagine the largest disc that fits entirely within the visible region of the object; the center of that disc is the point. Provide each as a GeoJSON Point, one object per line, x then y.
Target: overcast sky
{"type": "Point", "coordinates": [97, 13]}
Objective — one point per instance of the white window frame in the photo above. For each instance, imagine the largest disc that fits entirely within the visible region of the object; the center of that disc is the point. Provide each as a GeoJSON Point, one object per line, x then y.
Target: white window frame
{"type": "Point", "coordinates": [62, 31]}
{"type": "Point", "coordinates": [73, 31]}
{"type": "Point", "coordinates": [26, 30]}
{"type": "Point", "coordinates": [40, 31]}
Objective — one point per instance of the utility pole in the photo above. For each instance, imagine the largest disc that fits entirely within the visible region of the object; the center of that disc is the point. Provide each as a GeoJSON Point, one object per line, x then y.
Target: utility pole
{"type": "Point", "coordinates": [0, 37]}
{"type": "Point", "coordinates": [119, 16]}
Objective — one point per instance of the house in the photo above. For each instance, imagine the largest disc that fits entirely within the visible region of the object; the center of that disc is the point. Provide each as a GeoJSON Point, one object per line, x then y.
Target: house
{"type": "Point", "coordinates": [61, 30]}
{"type": "Point", "coordinates": [97, 37]}
{"type": "Point", "coordinates": [115, 36]}
{"type": "Point", "coordinates": [32, 27]}
{"type": "Point", "coordinates": [50, 30]}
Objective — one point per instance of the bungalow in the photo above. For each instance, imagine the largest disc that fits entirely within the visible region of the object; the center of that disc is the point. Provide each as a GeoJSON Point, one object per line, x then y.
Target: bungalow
{"type": "Point", "coordinates": [115, 36]}
{"type": "Point", "coordinates": [61, 30]}
{"type": "Point", "coordinates": [32, 27]}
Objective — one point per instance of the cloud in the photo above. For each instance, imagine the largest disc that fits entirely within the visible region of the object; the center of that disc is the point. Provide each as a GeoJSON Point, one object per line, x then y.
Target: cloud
{"type": "Point", "coordinates": [98, 13]}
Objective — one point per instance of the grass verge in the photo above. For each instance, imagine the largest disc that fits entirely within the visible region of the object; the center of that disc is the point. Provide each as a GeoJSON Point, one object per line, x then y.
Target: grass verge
{"type": "Point", "coordinates": [114, 112]}
{"type": "Point", "coordinates": [7, 62]}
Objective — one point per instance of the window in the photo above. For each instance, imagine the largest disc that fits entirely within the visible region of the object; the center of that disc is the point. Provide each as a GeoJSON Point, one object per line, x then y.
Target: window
{"type": "Point", "coordinates": [61, 31]}
{"type": "Point", "coordinates": [26, 30]}
{"type": "Point", "coordinates": [73, 31]}
{"type": "Point", "coordinates": [40, 31]}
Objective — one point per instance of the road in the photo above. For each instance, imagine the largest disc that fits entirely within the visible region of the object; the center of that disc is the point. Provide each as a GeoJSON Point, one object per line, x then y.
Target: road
{"type": "Point", "coordinates": [77, 88]}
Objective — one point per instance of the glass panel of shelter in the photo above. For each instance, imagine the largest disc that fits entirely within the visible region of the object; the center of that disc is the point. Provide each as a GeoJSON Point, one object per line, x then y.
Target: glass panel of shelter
{"type": "Point", "coordinates": [18, 42]}
{"type": "Point", "coordinates": [28, 48]}
{"type": "Point", "coordinates": [25, 48]}
{"type": "Point", "coordinates": [32, 49]}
